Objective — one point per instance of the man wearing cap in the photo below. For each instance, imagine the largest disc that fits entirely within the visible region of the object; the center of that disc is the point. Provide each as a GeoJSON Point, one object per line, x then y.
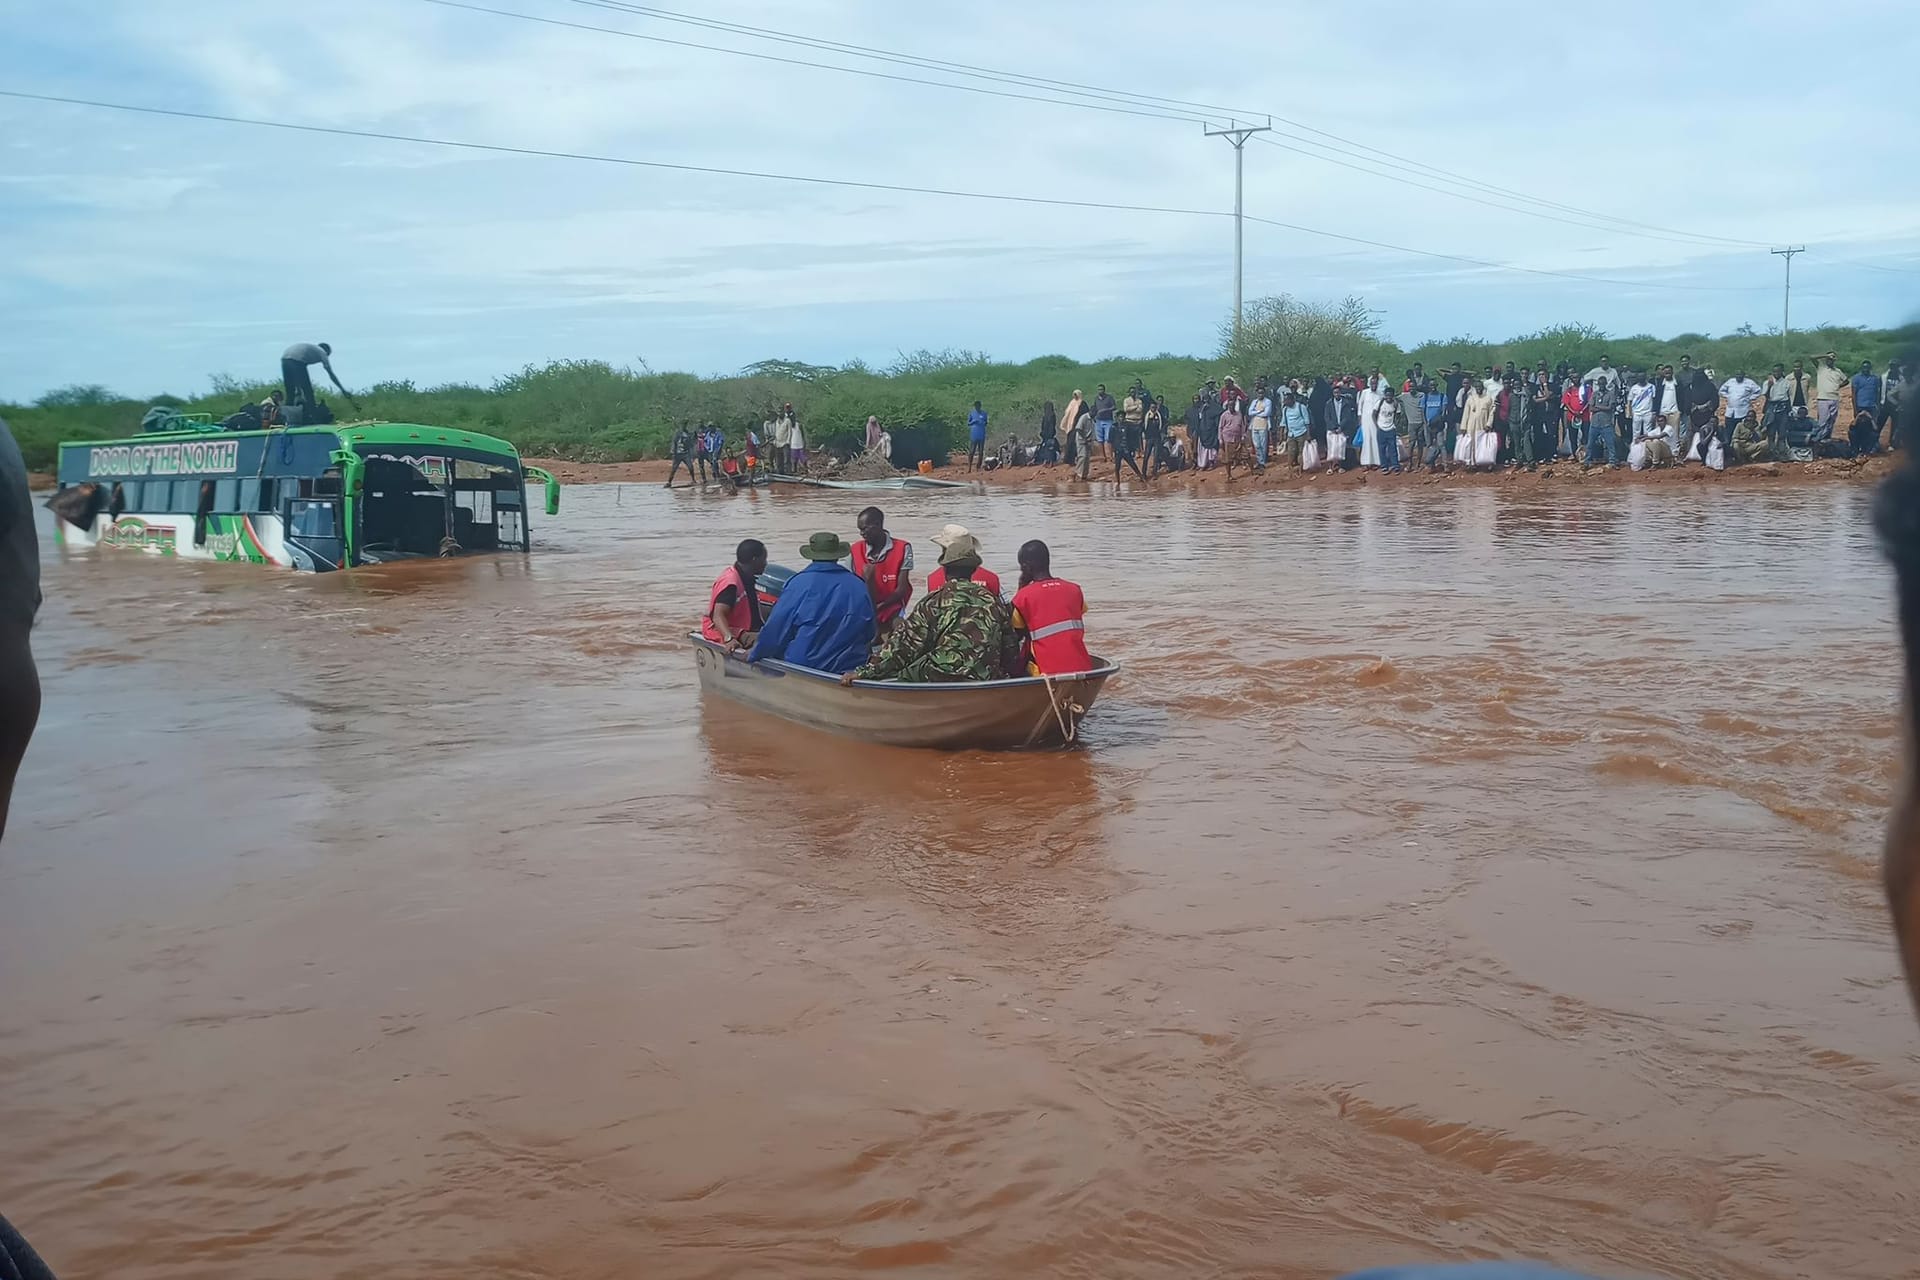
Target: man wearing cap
{"type": "Point", "coordinates": [824, 617]}
{"type": "Point", "coordinates": [960, 632]}
{"type": "Point", "coordinates": [938, 578]}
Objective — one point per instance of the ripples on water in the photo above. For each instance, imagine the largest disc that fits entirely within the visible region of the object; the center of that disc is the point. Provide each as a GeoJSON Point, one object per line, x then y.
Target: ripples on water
{"type": "Point", "coordinates": [1450, 875]}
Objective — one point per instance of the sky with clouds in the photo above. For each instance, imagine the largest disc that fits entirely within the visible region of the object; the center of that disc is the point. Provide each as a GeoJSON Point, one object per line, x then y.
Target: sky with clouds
{"type": "Point", "coordinates": [150, 252]}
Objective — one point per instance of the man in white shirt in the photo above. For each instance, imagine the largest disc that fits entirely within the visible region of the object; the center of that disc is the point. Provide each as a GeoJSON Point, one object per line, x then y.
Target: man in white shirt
{"type": "Point", "coordinates": [779, 436]}
{"type": "Point", "coordinates": [1604, 372]}
{"type": "Point", "coordinates": [1740, 392]}
{"type": "Point", "coordinates": [1640, 405]}
{"type": "Point", "coordinates": [1666, 400]}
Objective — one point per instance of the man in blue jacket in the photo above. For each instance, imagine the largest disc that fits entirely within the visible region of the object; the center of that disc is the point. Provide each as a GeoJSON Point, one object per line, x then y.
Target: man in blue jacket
{"type": "Point", "coordinates": [824, 618]}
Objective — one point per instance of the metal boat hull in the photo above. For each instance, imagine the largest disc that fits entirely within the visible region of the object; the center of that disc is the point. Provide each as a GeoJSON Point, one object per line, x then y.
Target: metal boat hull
{"type": "Point", "coordinates": [994, 715]}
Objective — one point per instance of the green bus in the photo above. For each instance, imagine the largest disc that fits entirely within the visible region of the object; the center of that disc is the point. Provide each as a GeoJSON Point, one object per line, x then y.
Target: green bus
{"type": "Point", "coordinates": [313, 498]}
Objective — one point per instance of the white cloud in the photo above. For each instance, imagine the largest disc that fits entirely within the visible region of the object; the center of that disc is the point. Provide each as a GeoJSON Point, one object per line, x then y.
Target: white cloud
{"type": "Point", "coordinates": [516, 258]}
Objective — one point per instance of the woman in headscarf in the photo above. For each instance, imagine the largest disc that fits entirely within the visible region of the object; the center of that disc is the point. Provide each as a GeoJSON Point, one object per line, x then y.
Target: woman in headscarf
{"type": "Point", "coordinates": [1319, 400]}
{"type": "Point", "coordinates": [1049, 450]}
{"type": "Point", "coordinates": [1233, 437]}
{"type": "Point", "coordinates": [1072, 419]}
{"type": "Point", "coordinates": [873, 433]}
{"type": "Point", "coordinates": [1207, 450]}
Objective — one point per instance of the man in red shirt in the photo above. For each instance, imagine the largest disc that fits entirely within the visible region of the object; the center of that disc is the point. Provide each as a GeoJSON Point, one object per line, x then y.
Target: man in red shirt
{"type": "Point", "coordinates": [938, 578]}
{"type": "Point", "coordinates": [885, 565]}
{"type": "Point", "coordinates": [1052, 612]}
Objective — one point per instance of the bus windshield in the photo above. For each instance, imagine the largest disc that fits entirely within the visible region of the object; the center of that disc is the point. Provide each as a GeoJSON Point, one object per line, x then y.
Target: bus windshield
{"type": "Point", "coordinates": [432, 502]}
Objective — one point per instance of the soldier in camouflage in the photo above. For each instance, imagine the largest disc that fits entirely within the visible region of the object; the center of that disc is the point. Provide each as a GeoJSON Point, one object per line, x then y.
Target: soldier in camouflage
{"type": "Point", "coordinates": [960, 632]}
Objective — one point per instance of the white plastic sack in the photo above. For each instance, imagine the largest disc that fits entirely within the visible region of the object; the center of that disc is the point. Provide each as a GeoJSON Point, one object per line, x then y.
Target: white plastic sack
{"type": "Point", "coordinates": [1310, 455]}
{"type": "Point", "coordinates": [1716, 457]}
{"type": "Point", "coordinates": [1637, 456]}
{"type": "Point", "coordinates": [1463, 449]}
{"type": "Point", "coordinates": [1693, 450]}
{"type": "Point", "coordinates": [1486, 449]}
{"type": "Point", "coordinates": [1336, 446]}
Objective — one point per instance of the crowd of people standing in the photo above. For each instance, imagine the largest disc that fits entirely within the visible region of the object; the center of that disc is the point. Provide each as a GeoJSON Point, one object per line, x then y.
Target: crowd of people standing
{"type": "Point", "coordinates": [1499, 417]}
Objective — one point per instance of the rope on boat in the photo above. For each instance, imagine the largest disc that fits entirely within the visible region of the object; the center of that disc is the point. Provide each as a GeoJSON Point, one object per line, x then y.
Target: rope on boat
{"type": "Point", "coordinates": [1069, 727]}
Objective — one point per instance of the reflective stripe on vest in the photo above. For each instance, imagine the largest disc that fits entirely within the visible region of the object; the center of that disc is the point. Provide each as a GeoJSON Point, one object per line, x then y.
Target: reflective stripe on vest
{"type": "Point", "coordinates": [891, 566]}
{"type": "Point", "coordinates": [1057, 628]}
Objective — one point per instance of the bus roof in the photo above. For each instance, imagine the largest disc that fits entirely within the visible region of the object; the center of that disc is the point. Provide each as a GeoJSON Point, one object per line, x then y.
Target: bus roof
{"type": "Point", "coordinates": [349, 433]}
{"type": "Point", "coordinates": [408, 433]}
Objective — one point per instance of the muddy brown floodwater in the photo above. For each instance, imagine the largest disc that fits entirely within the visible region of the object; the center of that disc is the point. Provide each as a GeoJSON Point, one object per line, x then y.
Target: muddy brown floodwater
{"type": "Point", "coordinates": [1451, 874]}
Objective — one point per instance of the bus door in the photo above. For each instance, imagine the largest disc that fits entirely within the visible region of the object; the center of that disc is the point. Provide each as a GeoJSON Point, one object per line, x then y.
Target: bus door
{"type": "Point", "coordinates": [314, 537]}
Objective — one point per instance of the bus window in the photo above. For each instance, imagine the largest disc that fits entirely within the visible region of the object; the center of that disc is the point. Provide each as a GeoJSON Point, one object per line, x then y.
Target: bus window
{"type": "Point", "coordinates": [269, 496]}
{"type": "Point", "coordinates": [477, 501]}
{"type": "Point", "coordinates": [313, 520]}
{"type": "Point", "coordinates": [186, 497]}
{"type": "Point", "coordinates": [249, 499]}
{"type": "Point", "coordinates": [226, 496]}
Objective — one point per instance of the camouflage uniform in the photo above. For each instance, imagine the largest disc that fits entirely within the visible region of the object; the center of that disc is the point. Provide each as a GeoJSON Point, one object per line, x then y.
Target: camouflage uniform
{"type": "Point", "coordinates": [1750, 441]}
{"type": "Point", "coordinates": [960, 632]}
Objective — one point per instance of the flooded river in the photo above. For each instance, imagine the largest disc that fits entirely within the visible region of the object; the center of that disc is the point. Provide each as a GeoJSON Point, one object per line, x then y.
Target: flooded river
{"type": "Point", "coordinates": [1450, 874]}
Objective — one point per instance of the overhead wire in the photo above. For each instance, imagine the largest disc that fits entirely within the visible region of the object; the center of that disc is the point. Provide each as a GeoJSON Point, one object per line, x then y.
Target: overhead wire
{"type": "Point", "coordinates": [802, 62]}
{"type": "Point", "coordinates": [850, 183]}
{"type": "Point", "coordinates": [1069, 87]}
{"type": "Point", "coordinates": [1507, 266]}
{"type": "Point", "coordinates": [1106, 95]}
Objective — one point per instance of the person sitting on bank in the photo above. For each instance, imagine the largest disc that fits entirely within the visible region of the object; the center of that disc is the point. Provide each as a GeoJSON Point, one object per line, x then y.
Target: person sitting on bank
{"type": "Point", "coordinates": [1750, 440]}
{"type": "Point", "coordinates": [885, 565]}
{"type": "Point", "coordinates": [938, 578]}
{"type": "Point", "coordinates": [960, 632]}
{"type": "Point", "coordinates": [733, 606]}
{"type": "Point", "coordinates": [1053, 614]}
{"type": "Point", "coordinates": [824, 617]}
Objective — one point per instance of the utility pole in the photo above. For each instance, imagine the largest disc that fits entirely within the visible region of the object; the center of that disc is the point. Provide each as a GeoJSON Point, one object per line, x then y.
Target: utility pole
{"type": "Point", "coordinates": [1237, 134]}
{"type": "Point", "coordinates": [1786, 310]}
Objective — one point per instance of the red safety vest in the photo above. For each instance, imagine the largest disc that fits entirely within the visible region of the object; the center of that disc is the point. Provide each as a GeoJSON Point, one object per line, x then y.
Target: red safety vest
{"type": "Point", "coordinates": [984, 576]}
{"type": "Point", "coordinates": [739, 617]}
{"type": "Point", "coordinates": [1054, 612]}
{"type": "Point", "coordinates": [892, 565]}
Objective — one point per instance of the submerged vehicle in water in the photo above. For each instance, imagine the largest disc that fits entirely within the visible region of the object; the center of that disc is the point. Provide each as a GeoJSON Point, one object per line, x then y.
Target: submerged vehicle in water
{"type": "Point", "coordinates": [314, 498]}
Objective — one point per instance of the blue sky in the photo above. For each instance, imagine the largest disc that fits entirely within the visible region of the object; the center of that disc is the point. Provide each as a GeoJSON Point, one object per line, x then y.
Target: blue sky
{"type": "Point", "coordinates": [151, 253]}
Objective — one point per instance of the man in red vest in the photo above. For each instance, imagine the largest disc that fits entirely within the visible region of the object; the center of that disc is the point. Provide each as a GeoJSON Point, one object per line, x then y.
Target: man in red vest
{"type": "Point", "coordinates": [1053, 613]}
{"type": "Point", "coordinates": [938, 578]}
{"type": "Point", "coordinates": [885, 566]}
{"type": "Point", "coordinates": [733, 606]}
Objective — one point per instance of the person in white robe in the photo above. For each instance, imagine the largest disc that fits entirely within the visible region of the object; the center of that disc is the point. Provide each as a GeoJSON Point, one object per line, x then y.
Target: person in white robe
{"type": "Point", "coordinates": [1366, 438]}
{"type": "Point", "coordinates": [1476, 421]}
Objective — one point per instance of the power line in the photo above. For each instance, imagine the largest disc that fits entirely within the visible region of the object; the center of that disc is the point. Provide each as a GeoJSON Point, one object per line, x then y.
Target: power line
{"type": "Point", "coordinates": [1105, 95]}
{"type": "Point", "coordinates": [856, 184]}
{"type": "Point", "coordinates": [913, 60]}
{"type": "Point", "coordinates": [341, 132]}
{"type": "Point", "coordinates": [1409, 177]}
{"type": "Point", "coordinates": [1503, 266]}
{"type": "Point", "coordinates": [801, 62]}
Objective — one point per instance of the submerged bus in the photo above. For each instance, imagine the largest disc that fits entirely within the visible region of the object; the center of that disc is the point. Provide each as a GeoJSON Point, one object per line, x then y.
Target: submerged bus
{"type": "Point", "coordinates": [314, 498]}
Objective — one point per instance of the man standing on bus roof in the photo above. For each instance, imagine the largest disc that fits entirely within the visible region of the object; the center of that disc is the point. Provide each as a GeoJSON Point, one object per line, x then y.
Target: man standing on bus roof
{"type": "Point", "coordinates": [293, 370]}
